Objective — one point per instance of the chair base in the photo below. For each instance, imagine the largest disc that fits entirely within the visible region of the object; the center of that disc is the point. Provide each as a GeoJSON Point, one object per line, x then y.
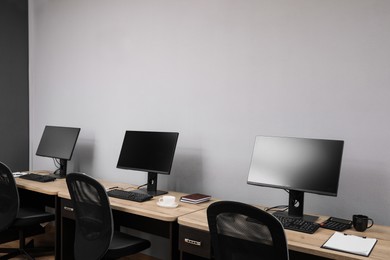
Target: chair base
{"type": "Point", "coordinates": [28, 250]}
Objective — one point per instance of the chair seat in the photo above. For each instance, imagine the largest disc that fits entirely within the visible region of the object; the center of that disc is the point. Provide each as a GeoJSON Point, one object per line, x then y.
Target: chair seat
{"type": "Point", "coordinates": [31, 216]}
{"type": "Point", "coordinates": [95, 236]}
{"type": "Point", "coordinates": [125, 244]}
{"type": "Point", "coordinates": [15, 218]}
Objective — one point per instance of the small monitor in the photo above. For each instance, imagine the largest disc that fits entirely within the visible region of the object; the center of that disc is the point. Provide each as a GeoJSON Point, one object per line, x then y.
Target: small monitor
{"type": "Point", "coordinates": [298, 165]}
{"type": "Point", "coordinates": [151, 152]}
{"type": "Point", "coordinates": [58, 142]}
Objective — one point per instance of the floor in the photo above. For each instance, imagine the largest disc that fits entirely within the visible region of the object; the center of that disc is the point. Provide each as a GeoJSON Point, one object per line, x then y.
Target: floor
{"type": "Point", "coordinates": [47, 239]}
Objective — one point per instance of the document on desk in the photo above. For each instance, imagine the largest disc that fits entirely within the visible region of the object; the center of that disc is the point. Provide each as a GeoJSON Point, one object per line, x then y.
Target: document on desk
{"type": "Point", "coordinates": [350, 244]}
{"type": "Point", "coordinates": [17, 174]}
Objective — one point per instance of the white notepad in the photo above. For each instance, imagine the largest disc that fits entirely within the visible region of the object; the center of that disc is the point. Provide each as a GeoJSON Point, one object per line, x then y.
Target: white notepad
{"type": "Point", "coordinates": [350, 244]}
{"type": "Point", "coordinates": [17, 174]}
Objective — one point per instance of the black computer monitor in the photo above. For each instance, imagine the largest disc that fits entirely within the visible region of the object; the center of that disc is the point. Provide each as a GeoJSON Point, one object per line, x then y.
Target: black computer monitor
{"type": "Point", "coordinates": [58, 142]}
{"type": "Point", "coordinates": [297, 165]}
{"type": "Point", "coordinates": [151, 152]}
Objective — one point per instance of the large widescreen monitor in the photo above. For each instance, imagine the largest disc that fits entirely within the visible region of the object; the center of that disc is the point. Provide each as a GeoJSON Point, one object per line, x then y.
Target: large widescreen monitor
{"type": "Point", "coordinates": [297, 165]}
{"type": "Point", "coordinates": [58, 142]}
{"type": "Point", "coordinates": [151, 152]}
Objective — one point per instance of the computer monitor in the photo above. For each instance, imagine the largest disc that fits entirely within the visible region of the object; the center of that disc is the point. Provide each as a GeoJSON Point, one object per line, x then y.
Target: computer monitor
{"type": "Point", "coordinates": [297, 165]}
{"type": "Point", "coordinates": [151, 152]}
{"type": "Point", "coordinates": [58, 142]}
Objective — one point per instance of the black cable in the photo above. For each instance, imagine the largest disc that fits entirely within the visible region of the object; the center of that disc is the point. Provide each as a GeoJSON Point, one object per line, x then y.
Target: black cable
{"type": "Point", "coordinates": [57, 165]}
{"type": "Point", "coordinates": [143, 185]}
{"type": "Point", "coordinates": [281, 207]}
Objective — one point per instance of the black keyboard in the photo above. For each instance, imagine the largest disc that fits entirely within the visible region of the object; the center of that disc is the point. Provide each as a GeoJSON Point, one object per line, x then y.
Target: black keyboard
{"type": "Point", "coordinates": [298, 224]}
{"type": "Point", "coordinates": [37, 177]}
{"type": "Point", "coordinates": [129, 195]}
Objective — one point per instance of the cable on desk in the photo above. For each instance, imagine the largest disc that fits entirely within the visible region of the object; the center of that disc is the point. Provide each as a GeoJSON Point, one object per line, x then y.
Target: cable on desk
{"type": "Point", "coordinates": [124, 189]}
{"type": "Point", "coordinates": [118, 188]}
{"type": "Point", "coordinates": [280, 208]}
{"type": "Point", "coordinates": [143, 185]}
{"type": "Point", "coordinates": [57, 165]}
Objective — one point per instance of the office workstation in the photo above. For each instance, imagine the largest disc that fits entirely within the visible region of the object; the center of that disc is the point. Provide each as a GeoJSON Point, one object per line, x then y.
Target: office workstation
{"type": "Point", "coordinates": [219, 74]}
{"type": "Point", "coordinates": [193, 227]}
{"type": "Point", "coordinates": [192, 236]}
{"type": "Point", "coordinates": [278, 162]}
{"type": "Point", "coordinates": [146, 216]}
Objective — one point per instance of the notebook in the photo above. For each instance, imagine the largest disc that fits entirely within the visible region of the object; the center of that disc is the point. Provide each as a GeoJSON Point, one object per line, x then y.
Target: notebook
{"type": "Point", "coordinates": [195, 198]}
{"type": "Point", "coordinates": [350, 244]}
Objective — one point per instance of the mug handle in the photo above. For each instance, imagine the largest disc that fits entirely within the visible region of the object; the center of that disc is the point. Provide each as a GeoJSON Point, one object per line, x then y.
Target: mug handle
{"type": "Point", "coordinates": [372, 222]}
{"type": "Point", "coordinates": [161, 200]}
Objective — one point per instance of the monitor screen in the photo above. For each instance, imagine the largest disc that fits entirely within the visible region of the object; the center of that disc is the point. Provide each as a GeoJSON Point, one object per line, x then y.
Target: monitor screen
{"type": "Point", "coordinates": [309, 165]}
{"type": "Point", "coordinates": [58, 142]}
{"type": "Point", "coordinates": [148, 151]}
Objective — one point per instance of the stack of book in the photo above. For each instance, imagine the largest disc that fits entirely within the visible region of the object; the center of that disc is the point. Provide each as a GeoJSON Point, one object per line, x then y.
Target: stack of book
{"type": "Point", "coordinates": [195, 198]}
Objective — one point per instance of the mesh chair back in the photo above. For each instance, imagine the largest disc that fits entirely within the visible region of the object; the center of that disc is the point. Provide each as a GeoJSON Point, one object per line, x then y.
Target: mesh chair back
{"type": "Point", "coordinates": [240, 231]}
{"type": "Point", "coordinates": [94, 224]}
{"type": "Point", "coordinates": [9, 197]}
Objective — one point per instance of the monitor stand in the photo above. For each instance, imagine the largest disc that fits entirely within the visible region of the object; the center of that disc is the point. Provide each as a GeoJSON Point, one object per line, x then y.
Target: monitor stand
{"type": "Point", "coordinates": [152, 185]}
{"type": "Point", "coordinates": [295, 207]}
{"type": "Point", "coordinates": [61, 172]}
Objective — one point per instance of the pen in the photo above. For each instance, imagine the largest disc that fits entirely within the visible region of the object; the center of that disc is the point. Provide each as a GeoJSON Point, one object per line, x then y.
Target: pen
{"type": "Point", "coordinates": [352, 235]}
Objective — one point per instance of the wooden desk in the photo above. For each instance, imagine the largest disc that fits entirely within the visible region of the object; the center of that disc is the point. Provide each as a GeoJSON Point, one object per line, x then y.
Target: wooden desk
{"type": "Point", "coordinates": [41, 195]}
{"type": "Point", "coordinates": [194, 228]}
{"type": "Point", "coordinates": [145, 216]}
{"type": "Point", "coordinates": [48, 188]}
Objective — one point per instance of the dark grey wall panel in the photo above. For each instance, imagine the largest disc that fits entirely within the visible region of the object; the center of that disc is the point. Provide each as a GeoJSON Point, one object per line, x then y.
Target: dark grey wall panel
{"type": "Point", "coordinates": [14, 100]}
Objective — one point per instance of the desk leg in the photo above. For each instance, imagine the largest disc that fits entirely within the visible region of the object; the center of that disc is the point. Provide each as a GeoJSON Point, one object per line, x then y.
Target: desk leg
{"type": "Point", "coordinates": [174, 241]}
{"type": "Point", "coordinates": [68, 233]}
{"type": "Point", "coordinates": [57, 248]}
{"type": "Point", "coordinates": [40, 201]}
{"type": "Point", "coordinates": [67, 229]}
{"type": "Point", "coordinates": [165, 229]}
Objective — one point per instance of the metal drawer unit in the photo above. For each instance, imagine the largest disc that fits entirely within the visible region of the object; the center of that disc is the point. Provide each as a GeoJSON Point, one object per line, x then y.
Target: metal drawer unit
{"type": "Point", "coordinates": [195, 242]}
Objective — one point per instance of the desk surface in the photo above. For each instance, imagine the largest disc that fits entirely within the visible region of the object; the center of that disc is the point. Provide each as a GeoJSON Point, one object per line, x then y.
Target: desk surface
{"type": "Point", "coordinates": [149, 208]}
{"type": "Point", "coordinates": [49, 188]}
{"type": "Point", "coordinates": [311, 244]}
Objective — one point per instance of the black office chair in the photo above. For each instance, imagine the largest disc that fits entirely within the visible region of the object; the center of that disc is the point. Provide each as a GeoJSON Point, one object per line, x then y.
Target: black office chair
{"type": "Point", "coordinates": [240, 231]}
{"type": "Point", "coordinates": [14, 217]}
{"type": "Point", "coordinates": [95, 237]}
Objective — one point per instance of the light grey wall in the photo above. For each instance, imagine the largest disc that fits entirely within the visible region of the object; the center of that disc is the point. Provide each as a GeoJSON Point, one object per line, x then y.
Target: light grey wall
{"type": "Point", "coordinates": [220, 73]}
